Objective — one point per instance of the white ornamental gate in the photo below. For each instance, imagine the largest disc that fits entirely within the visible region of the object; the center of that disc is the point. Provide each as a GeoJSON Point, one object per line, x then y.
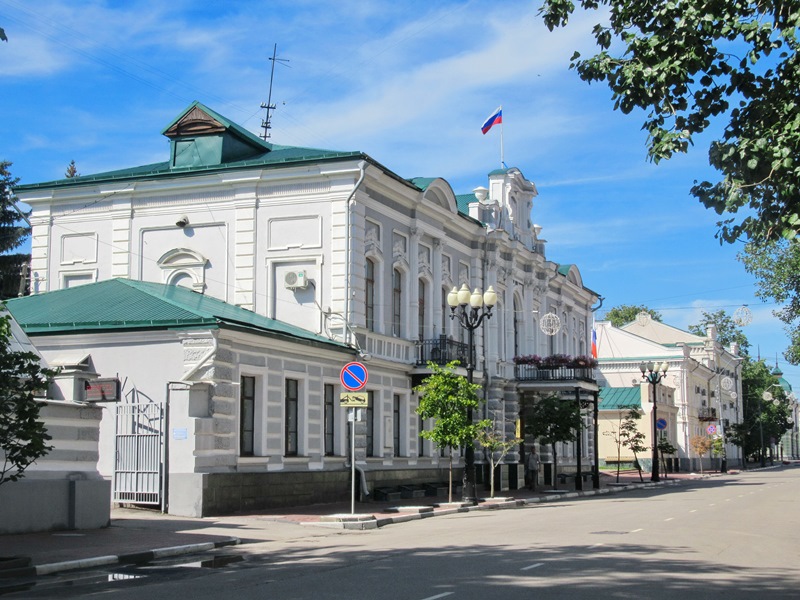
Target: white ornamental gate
{"type": "Point", "coordinates": [139, 462]}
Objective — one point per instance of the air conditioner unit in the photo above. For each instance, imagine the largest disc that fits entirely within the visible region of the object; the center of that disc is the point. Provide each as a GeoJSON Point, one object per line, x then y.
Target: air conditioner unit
{"type": "Point", "coordinates": [295, 280]}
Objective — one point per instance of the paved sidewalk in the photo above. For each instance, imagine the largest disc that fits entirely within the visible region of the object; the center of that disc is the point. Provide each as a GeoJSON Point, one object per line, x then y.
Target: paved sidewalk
{"type": "Point", "coordinates": [136, 536]}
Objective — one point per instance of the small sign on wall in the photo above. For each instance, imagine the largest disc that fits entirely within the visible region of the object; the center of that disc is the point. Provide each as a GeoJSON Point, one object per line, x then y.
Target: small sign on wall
{"type": "Point", "coordinates": [102, 390]}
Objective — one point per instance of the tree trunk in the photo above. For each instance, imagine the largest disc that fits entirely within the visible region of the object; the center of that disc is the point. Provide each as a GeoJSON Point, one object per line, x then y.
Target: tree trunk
{"type": "Point", "coordinates": [450, 480]}
{"type": "Point", "coordinates": [555, 467]}
{"type": "Point", "coordinates": [491, 476]}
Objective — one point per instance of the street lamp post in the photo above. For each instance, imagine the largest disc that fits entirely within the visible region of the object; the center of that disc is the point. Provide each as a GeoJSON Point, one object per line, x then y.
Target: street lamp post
{"type": "Point", "coordinates": [654, 373]}
{"type": "Point", "coordinates": [469, 309]}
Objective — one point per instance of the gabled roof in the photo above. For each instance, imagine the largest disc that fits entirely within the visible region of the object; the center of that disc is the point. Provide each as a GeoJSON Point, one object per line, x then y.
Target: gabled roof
{"type": "Point", "coordinates": [125, 304]}
{"type": "Point", "coordinates": [196, 109]}
{"type": "Point", "coordinates": [619, 398]}
{"type": "Point", "coordinates": [661, 333]}
{"type": "Point", "coordinates": [615, 344]}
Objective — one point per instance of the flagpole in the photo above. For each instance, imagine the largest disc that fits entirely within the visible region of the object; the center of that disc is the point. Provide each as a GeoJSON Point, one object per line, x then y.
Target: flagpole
{"type": "Point", "coordinates": [502, 158]}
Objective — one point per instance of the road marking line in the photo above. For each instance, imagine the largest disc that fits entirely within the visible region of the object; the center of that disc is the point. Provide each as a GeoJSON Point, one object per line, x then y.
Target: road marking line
{"type": "Point", "coordinates": [693, 510]}
{"type": "Point", "coordinates": [529, 567]}
{"type": "Point", "coordinates": [712, 504]}
{"type": "Point", "coordinates": [439, 596]}
{"type": "Point", "coordinates": [727, 499]}
{"type": "Point", "coordinates": [637, 530]}
{"type": "Point", "coordinates": [596, 545]}
{"type": "Point", "coordinates": [669, 519]}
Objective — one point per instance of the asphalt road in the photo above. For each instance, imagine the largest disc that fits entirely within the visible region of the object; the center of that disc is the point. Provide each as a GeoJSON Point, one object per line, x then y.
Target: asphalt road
{"type": "Point", "coordinates": [729, 537]}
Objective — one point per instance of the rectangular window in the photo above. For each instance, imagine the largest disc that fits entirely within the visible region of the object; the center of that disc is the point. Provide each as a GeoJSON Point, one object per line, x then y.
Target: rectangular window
{"type": "Point", "coordinates": [369, 303]}
{"type": "Point", "coordinates": [421, 310]}
{"type": "Point", "coordinates": [329, 419]}
{"type": "Point", "coordinates": [370, 423]}
{"type": "Point", "coordinates": [421, 440]}
{"type": "Point", "coordinates": [290, 431]}
{"type": "Point", "coordinates": [247, 413]}
{"type": "Point", "coordinates": [396, 424]}
{"type": "Point", "coordinates": [397, 299]}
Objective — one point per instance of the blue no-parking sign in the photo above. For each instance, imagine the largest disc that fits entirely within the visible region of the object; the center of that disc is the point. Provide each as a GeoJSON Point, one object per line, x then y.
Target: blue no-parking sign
{"type": "Point", "coordinates": [661, 424]}
{"type": "Point", "coordinates": [354, 376]}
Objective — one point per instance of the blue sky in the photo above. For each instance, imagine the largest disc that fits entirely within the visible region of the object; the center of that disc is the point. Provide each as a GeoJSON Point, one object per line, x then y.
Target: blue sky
{"type": "Point", "coordinates": [409, 83]}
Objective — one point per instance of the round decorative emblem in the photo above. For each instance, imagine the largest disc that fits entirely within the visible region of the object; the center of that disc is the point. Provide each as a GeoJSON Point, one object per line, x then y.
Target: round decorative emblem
{"type": "Point", "coordinates": [734, 395]}
{"type": "Point", "coordinates": [743, 316]}
{"type": "Point", "coordinates": [550, 324]}
{"type": "Point", "coordinates": [727, 383]}
{"type": "Point", "coordinates": [643, 318]}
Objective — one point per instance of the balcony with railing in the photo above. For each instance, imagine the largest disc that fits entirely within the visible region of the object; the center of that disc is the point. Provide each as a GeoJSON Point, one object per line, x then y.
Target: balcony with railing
{"type": "Point", "coordinates": [441, 351]}
{"type": "Point", "coordinates": [556, 371]}
{"type": "Point", "coordinates": [707, 414]}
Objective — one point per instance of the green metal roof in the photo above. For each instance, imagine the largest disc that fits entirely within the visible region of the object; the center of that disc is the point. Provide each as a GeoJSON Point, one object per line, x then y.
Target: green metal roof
{"type": "Point", "coordinates": [619, 398]}
{"type": "Point", "coordinates": [117, 304]}
{"type": "Point", "coordinates": [423, 182]}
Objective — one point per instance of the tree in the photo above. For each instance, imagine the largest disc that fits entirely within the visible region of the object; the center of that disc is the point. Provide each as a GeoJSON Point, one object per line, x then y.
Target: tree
{"type": "Point", "coordinates": [3, 35]}
{"type": "Point", "coordinates": [632, 438]}
{"type": "Point", "coordinates": [665, 447]}
{"type": "Point", "coordinates": [701, 444]}
{"type": "Point", "coordinates": [776, 266]}
{"type": "Point", "coordinates": [728, 332]}
{"type": "Point", "coordinates": [12, 236]}
{"type": "Point", "coordinates": [686, 63]}
{"type": "Point", "coordinates": [615, 433]}
{"type": "Point", "coordinates": [761, 419]}
{"type": "Point", "coordinates": [72, 170]}
{"type": "Point", "coordinates": [496, 446]}
{"type": "Point", "coordinates": [553, 420]}
{"type": "Point", "coordinates": [446, 397]}
{"type": "Point", "coordinates": [626, 313]}
{"type": "Point", "coordinates": [23, 436]}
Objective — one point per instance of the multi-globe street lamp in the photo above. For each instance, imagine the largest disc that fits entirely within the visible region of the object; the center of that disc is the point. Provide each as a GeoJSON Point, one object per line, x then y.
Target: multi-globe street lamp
{"type": "Point", "coordinates": [654, 373]}
{"type": "Point", "coordinates": [470, 308]}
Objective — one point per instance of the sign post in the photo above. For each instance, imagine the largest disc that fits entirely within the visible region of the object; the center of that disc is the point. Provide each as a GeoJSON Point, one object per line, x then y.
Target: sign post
{"type": "Point", "coordinates": [353, 377]}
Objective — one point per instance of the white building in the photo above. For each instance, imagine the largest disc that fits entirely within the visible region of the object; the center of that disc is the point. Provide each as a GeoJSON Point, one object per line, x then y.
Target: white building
{"type": "Point", "coordinates": [298, 260]}
{"type": "Point", "coordinates": [701, 393]}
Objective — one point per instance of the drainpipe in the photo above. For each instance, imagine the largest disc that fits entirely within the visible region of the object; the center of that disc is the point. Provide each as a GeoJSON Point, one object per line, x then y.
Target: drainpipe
{"type": "Point", "coordinates": [362, 166]}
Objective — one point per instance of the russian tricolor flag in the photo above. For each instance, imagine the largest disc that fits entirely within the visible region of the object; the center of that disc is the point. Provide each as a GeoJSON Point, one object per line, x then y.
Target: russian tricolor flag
{"type": "Point", "coordinates": [495, 118]}
{"type": "Point", "coordinates": [594, 343]}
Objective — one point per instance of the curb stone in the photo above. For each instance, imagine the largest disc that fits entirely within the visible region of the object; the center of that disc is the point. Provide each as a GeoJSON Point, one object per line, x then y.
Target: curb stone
{"type": "Point", "coordinates": [121, 559]}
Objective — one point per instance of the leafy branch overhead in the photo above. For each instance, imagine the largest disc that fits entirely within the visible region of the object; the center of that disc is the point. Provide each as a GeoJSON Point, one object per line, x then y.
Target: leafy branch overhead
{"type": "Point", "coordinates": [687, 62]}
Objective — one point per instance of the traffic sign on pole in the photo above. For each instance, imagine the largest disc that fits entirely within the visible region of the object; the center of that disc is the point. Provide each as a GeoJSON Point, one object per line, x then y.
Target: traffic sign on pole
{"type": "Point", "coordinates": [661, 424]}
{"type": "Point", "coordinates": [354, 376]}
{"type": "Point", "coordinates": [711, 429]}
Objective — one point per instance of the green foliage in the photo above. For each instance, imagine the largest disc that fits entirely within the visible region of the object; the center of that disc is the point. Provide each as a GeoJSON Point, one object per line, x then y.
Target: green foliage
{"type": "Point", "coordinates": [685, 64]}
{"type": "Point", "coordinates": [552, 420]}
{"type": "Point", "coordinates": [776, 266]}
{"type": "Point", "coordinates": [728, 332]}
{"type": "Point", "coordinates": [761, 419]}
{"type": "Point", "coordinates": [23, 436]}
{"type": "Point", "coordinates": [626, 313]}
{"type": "Point", "coordinates": [630, 436]}
{"type": "Point", "coordinates": [446, 397]}
{"type": "Point", "coordinates": [718, 446]}
{"type": "Point", "coordinates": [12, 236]}
{"type": "Point", "coordinates": [3, 35]}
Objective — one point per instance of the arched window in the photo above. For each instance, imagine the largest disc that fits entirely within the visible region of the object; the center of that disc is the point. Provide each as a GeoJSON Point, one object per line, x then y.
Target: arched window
{"type": "Point", "coordinates": [369, 289]}
{"type": "Point", "coordinates": [397, 301]}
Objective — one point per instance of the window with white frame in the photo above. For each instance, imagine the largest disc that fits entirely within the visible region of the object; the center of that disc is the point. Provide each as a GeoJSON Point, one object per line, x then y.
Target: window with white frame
{"type": "Point", "coordinates": [330, 419]}
{"type": "Point", "coordinates": [247, 415]}
{"type": "Point", "coordinates": [291, 414]}
{"type": "Point", "coordinates": [369, 291]}
{"type": "Point", "coordinates": [397, 302]}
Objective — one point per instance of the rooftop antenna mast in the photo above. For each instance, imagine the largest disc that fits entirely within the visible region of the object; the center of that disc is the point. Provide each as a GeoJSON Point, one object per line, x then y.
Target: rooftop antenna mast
{"type": "Point", "coordinates": [266, 124]}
